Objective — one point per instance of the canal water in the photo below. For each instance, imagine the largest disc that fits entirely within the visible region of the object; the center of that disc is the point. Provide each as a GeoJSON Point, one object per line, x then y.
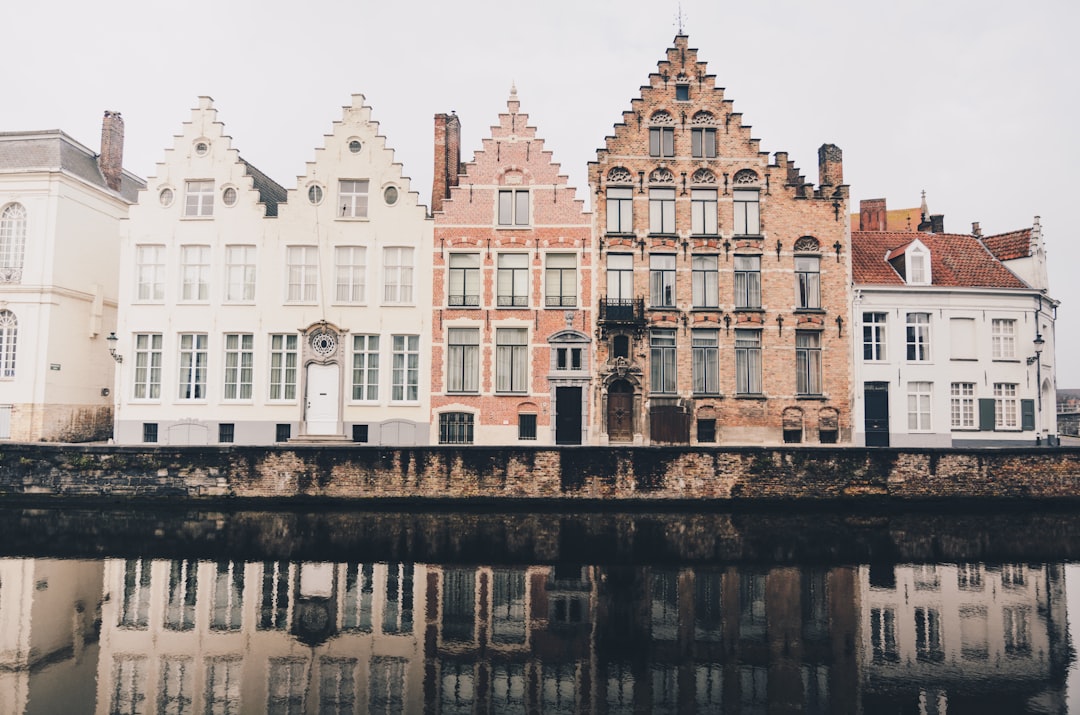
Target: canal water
{"type": "Point", "coordinates": [151, 610]}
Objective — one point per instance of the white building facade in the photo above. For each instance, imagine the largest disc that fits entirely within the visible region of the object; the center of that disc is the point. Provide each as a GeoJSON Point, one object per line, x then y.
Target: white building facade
{"type": "Point", "coordinates": [256, 315]}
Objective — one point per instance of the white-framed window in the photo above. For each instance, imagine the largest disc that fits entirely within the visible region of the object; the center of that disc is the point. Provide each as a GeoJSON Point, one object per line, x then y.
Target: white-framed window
{"type": "Point", "coordinates": [662, 361]}
{"type": "Point", "coordinates": [747, 282]}
{"type": "Point", "coordinates": [620, 209]}
{"type": "Point", "coordinates": [703, 142]}
{"type": "Point", "coordinates": [748, 362]}
{"type": "Point", "coordinates": [620, 276]}
{"type": "Point", "coordinates": [199, 198]}
{"type": "Point", "coordinates": [747, 212]}
{"type": "Point", "coordinates": [150, 273]}
{"type": "Point", "coordinates": [1006, 406]}
{"type": "Point", "coordinates": [918, 265]}
{"type": "Point", "coordinates": [406, 368]}
{"type": "Point", "coordinates": [12, 242]}
{"type": "Point", "coordinates": [703, 212]}
{"type": "Point", "coordinates": [147, 374]}
{"type": "Point", "coordinates": [918, 337]}
{"type": "Point", "coordinates": [808, 282]}
{"type": "Point", "coordinates": [193, 358]}
{"type": "Point", "coordinates": [1003, 338]}
{"type": "Point", "coordinates": [560, 280]}
{"type": "Point", "coordinates": [512, 280]}
{"type": "Point", "coordinates": [706, 368]}
{"type": "Point", "coordinates": [513, 207]}
{"type": "Point", "coordinates": [353, 198]}
{"type": "Point", "coordinates": [398, 275]}
{"type": "Point", "coordinates": [239, 274]}
{"type": "Point", "coordinates": [807, 362]}
{"type": "Point", "coordinates": [463, 360]}
{"type": "Point", "coordinates": [365, 369]}
{"type": "Point", "coordinates": [662, 280]}
{"type": "Point", "coordinates": [195, 273]}
{"type": "Point", "coordinates": [919, 398]}
{"type": "Point", "coordinates": [239, 366]}
{"type": "Point", "coordinates": [511, 360]}
{"type": "Point", "coordinates": [350, 269]}
{"type": "Point", "coordinates": [9, 338]}
{"type": "Point", "coordinates": [662, 141]}
{"type": "Point", "coordinates": [662, 211]}
{"type": "Point", "coordinates": [284, 356]}
{"type": "Point", "coordinates": [705, 277]}
{"type": "Point", "coordinates": [962, 405]}
{"type": "Point", "coordinates": [302, 271]}
{"type": "Point", "coordinates": [463, 285]}
{"type": "Point", "coordinates": [874, 326]}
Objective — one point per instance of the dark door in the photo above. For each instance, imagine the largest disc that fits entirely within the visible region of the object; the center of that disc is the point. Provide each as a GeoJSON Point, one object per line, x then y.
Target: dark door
{"type": "Point", "coordinates": [876, 405]}
{"type": "Point", "coordinates": [567, 415]}
{"type": "Point", "coordinates": [620, 412]}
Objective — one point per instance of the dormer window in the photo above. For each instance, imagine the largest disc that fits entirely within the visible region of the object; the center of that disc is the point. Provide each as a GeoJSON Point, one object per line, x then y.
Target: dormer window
{"type": "Point", "coordinates": [918, 266]}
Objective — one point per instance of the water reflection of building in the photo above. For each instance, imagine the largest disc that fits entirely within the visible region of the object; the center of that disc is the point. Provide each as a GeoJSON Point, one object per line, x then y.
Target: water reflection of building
{"type": "Point", "coordinates": [963, 637]}
{"type": "Point", "coordinates": [183, 636]}
{"type": "Point", "coordinates": [49, 612]}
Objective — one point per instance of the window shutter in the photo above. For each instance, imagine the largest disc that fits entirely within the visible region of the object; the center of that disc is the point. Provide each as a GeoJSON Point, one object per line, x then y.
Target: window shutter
{"type": "Point", "coordinates": [986, 414]}
{"type": "Point", "coordinates": [1027, 414]}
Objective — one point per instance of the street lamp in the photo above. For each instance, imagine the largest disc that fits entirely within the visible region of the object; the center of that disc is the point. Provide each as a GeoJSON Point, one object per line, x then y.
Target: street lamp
{"type": "Point", "coordinates": [112, 340]}
{"type": "Point", "coordinates": [1039, 343]}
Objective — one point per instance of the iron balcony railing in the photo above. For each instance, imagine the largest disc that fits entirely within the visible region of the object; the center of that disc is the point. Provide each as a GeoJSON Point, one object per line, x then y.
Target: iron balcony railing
{"type": "Point", "coordinates": [622, 312]}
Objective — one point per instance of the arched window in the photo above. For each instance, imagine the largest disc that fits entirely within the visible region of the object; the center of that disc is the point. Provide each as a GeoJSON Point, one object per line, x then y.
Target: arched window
{"type": "Point", "coordinates": [9, 332]}
{"type": "Point", "coordinates": [12, 241]}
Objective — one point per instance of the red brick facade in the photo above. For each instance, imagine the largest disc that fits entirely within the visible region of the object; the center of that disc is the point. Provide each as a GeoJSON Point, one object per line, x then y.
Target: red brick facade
{"type": "Point", "coordinates": [710, 253]}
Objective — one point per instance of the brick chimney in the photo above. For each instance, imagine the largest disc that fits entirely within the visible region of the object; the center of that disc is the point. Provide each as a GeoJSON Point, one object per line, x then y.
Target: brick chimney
{"type": "Point", "coordinates": [447, 158]}
{"type": "Point", "coordinates": [111, 159]}
{"type": "Point", "coordinates": [830, 165]}
{"type": "Point", "coordinates": [873, 215]}
{"type": "Point", "coordinates": [937, 223]}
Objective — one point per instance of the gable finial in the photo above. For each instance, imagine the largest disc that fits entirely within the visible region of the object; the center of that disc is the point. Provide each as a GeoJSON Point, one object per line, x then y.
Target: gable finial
{"type": "Point", "coordinates": [925, 211]}
{"type": "Point", "coordinates": [680, 19]}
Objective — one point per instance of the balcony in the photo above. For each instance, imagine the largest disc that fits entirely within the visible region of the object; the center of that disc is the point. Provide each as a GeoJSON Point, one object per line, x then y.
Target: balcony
{"type": "Point", "coordinates": [622, 314]}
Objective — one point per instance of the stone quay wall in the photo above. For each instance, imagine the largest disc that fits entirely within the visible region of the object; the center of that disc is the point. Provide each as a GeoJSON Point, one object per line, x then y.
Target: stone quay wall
{"type": "Point", "coordinates": [566, 475]}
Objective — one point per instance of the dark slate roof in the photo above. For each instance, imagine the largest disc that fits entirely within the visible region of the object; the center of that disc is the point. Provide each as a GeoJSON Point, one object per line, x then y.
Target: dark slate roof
{"type": "Point", "coordinates": [271, 193]}
{"type": "Point", "coordinates": [956, 260]}
{"type": "Point", "coordinates": [52, 150]}
{"type": "Point", "coordinates": [1008, 246]}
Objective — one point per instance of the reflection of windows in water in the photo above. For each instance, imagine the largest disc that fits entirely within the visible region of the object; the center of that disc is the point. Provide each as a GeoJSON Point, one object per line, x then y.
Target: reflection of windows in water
{"type": "Point", "coordinates": [882, 576]}
{"type": "Point", "coordinates": [183, 589]}
{"type": "Point", "coordinates": [708, 606]}
{"type": "Point", "coordinates": [397, 612]}
{"type": "Point", "coordinates": [815, 689]}
{"type": "Point", "coordinates": [558, 688]}
{"type": "Point", "coordinates": [926, 577]}
{"type": "Point", "coordinates": [1012, 575]}
{"type": "Point", "coordinates": [883, 635]}
{"type": "Point", "coordinates": [665, 688]}
{"type": "Point", "coordinates": [815, 604]}
{"type": "Point", "coordinates": [337, 685]}
{"type": "Point", "coordinates": [754, 689]}
{"type": "Point", "coordinates": [974, 633]}
{"type": "Point", "coordinates": [129, 685]}
{"type": "Point", "coordinates": [568, 610]}
{"type": "Point", "coordinates": [274, 606]}
{"type": "Point", "coordinates": [457, 687]}
{"type": "Point", "coordinates": [969, 577]}
{"type": "Point", "coordinates": [386, 686]}
{"type": "Point", "coordinates": [708, 686]}
{"type": "Point", "coordinates": [508, 607]}
{"type": "Point", "coordinates": [620, 688]}
{"type": "Point", "coordinates": [1016, 623]}
{"type": "Point", "coordinates": [928, 645]}
{"type": "Point", "coordinates": [227, 607]}
{"type": "Point", "coordinates": [507, 688]}
{"type": "Point", "coordinates": [286, 686]}
{"type": "Point", "coordinates": [458, 605]}
{"type": "Point", "coordinates": [665, 605]}
{"type": "Point", "coordinates": [223, 685]}
{"type": "Point", "coordinates": [752, 605]}
{"type": "Point", "coordinates": [135, 609]}
{"type": "Point", "coordinates": [176, 685]}
{"type": "Point", "coordinates": [359, 588]}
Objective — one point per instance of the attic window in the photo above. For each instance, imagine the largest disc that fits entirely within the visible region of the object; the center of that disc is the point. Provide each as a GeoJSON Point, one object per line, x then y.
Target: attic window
{"type": "Point", "coordinates": [390, 195]}
{"type": "Point", "coordinates": [228, 196]}
{"type": "Point", "coordinates": [315, 194]}
{"type": "Point", "coordinates": [355, 146]}
{"type": "Point", "coordinates": [201, 148]}
{"type": "Point", "coordinates": [918, 266]}
{"type": "Point", "coordinates": [166, 197]}
{"type": "Point", "coordinates": [682, 93]}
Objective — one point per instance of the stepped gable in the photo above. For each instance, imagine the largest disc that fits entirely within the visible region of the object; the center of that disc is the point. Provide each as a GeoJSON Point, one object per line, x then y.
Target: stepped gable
{"type": "Point", "coordinates": [956, 260]}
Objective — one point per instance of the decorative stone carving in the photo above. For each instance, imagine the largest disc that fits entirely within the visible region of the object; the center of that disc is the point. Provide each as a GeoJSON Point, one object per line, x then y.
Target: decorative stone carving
{"type": "Point", "coordinates": [661, 176]}
{"type": "Point", "coordinates": [703, 118]}
{"type": "Point", "coordinates": [703, 176]}
{"type": "Point", "coordinates": [323, 342]}
{"type": "Point", "coordinates": [619, 175]}
{"type": "Point", "coordinates": [661, 117]}
{"type": "Point", "coordinates": [807, 243]}
{"type": "Point", "coordinates": [745, 177]}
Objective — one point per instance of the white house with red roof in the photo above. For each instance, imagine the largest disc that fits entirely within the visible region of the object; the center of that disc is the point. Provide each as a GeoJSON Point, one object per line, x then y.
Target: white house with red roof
{"type": "Point", "coordinates": [954, 335]}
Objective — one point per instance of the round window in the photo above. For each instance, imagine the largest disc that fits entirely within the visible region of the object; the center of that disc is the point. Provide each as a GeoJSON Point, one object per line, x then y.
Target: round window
{"type": "Point", "coordinates": [201, 148]}
{"type": "Point", "coordinates": [355, 146]}
{"type": "Point", "coordinates": [228, 196]}
{"type": "Point", "coordinates": [390, 194]}
{"type": "Point", "coordinates": [324, 343]}
{"type": "Point", "coordinates": [166, 197]}
{"type": "Point", "coordinates": [315, 194]}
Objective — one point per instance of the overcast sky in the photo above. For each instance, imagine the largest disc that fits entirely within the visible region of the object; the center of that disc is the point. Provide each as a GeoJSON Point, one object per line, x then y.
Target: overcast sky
{"type": "Point", "coordinates": [976, 102]}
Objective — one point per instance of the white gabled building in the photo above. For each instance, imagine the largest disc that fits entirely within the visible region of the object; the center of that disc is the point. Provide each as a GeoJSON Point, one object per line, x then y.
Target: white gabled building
{"type": "Point", "coordinates": [954, 335]}
{"type": "Point", "coordinates": [247, 318]}
{"type": "Point", "coordinates": [60, 211]}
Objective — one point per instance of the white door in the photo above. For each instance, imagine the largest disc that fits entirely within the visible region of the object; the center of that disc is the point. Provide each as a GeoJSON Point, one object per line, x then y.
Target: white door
{"type": "Point", "coordinates": [322, 399]}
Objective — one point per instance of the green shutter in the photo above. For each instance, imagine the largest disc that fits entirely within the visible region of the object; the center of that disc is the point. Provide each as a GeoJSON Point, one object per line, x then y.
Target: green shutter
{"type": "Point", "coordinates": [986, 413]}
{"type": "Point", "coordinates": [1027, 414]}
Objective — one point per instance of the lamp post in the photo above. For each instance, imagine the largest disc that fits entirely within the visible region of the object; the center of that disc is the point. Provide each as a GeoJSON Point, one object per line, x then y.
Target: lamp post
{"type": "Point", "coordinates": [112, 340]}
{"type": "Point", "coordinates": [1037, 360]}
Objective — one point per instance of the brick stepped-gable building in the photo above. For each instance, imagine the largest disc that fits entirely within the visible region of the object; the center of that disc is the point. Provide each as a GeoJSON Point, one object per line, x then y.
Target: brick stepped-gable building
{"type": "Point", "coordinates": [724, 286]}
{"type": "Point", "coordinates": [512, 293]}
{"type": "Point", "coordinates": [956, 332]}
{"type": "Point", "coordinates": [253, 320]}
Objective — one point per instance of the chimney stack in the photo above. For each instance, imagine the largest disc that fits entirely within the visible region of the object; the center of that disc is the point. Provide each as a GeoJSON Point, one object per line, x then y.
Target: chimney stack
{"type": "Point", "coordinates": [937, 223]}
{"type": "Point", "coordinates": [830, 165]}
{"type": "Point", "coordinates": [873, 215]}
{"type": "Point", "coordinates": [111, 159]}
{"type": "Point", "coordinates": [447, 158]}
{"type": "Point", "coordinates": [976, 230]}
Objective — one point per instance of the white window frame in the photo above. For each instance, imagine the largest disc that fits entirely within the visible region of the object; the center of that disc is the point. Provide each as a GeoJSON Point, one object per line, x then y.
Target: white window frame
{"type": "Point", "coordinates": [398, 262]}
{"type": "Point", "coordinates": [747, 207]}
{"type": "Point", "coordinates": [1003, 338]}
{"type": "Point", "coordinates": [199, 198]}
{"type": "Point", "coordinates": [511, 360]}
{"type": "Point", "coordinates": [918, 337]}
{"type": "Point", "coordinates": [747, 282]}
{"type": "Point", "coordinates": [146, 377]}
{"type": "Point", "coordinates": [284, 366]}
{"type": "Point", "coordinates": [463, 359]}
{"type": "Point", "coordinates": [353, 198]}
{"type": "Point", "coordinates": [704, 212]}
{"type": "Point", "coordinates": [662, 267]}
{"type": "Point", "coordinates": [706, 361]}
{"type": "Point", "coordinates": [192, 358]}
{"type": "Point", "coordinates": [1006, 406]}
{"type": "Point", "coordinates": [560, 280]}
{"type": "Point", "coordinates": [875, 331]}
{"type": "Point", "coordinates": [301, 274]}
{"type": "Point", "coordinates": [662, 210]}
{"type": "Point", "coordinates": [703, 142]}
{"type": "Point", "coordinates": [808, 367]}
{"type": "Point", "coordinates": [240, 273]}
{"type": "Point", "coordinates": [620, 209]}
{"type": "Point", "coordinates": [920, 406]}
{"type": "Point", "coordinates": [663, 375]}
{"type": "Point", "coordinates": [705, 280]}
{"type": "Point", "coordinates": [350, 274]}
{"type": "Point", "coordinates": [918, 265]}
{"type": "Point", "coordinates": [9, 341]}
{"type": "Point", "coordinates": [513, 208]}
{"type": "Point", "coordinates": [238, 377]}
{"type": "Point", "coordinates": [405, 369]}
{"type": "Point", "coordinates": [463, 281]}
{"type": "Point", "coordinates": [808, 282]}
{"type": "Point", "coordinates": [962, 405]}
{"type": "Point", "coordinates": [12, 242]}
{"type": "Point", "coordinates": [194, 273]}
{"type": "Point", "coordinates": [748, 362]}
{"type": "Point", "coordinates": [620, 276]}
{"type": "Point", "coordinates": [365, 368]}
{"type": "Point", "coordinates": [662, 141]}
{"type": "Point", "coordinates": [149, 273]}
{"type": "Point", "coordinates": [512, 280]}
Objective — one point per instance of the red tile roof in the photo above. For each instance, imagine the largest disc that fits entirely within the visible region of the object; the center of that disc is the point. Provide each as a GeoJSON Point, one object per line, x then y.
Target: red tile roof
{"type": "Point", "coordinates": [956, 260]}
{"type": "Point", "coordinates": [1007, 246]}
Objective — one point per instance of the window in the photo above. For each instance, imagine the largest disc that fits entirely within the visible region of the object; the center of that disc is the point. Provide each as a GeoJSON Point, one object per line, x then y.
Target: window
{"type": "Point", "coordinates": [199, 198]}
{"type": "Point", "coordinates": [514, 207]}
{"type": "Point", "coordinates": [463, 360]}
{"type": "Point", "coordinates": [315, 194]}
{"type": "Point", "coordinates": [662, 280]}
{"type": "Point", "coordinates": [808, 282]}
{"type": "Point", "coordinates": [227, 600]}
{"type": "Point", "coordinates": [662, 211]}
{"type": "Point", "coordinates": [918, 336]}
{"type": "Point", "coordinates": [748, 362]}
{"type": "Point", "coordinates": [560, 280]}
{"type": "Point", "coordinates": [147, 366]}
{"type": "Point", "coordinates": [239, 365]}
{"type": "Point", "coordinates": [365, 372]}
{"type": "Point", "coordinates": [513, 280]}
{"type": "Point", "coordinates": [747, 213]}
{"type": "Point", "coordinates": [195, 273]}
{"type": "Point", "coordinates": [682, 92]}
{"type": "Point", "coordinates": [283, 359]}
{"type": "Point", "coordinates": [302, 267]}
{"type": "Point", "coordinates": [527, 425]}
{"type": "Point", "coordinates": [149, 432]}
{"type": "Point", "coordinates": [226, 432]}
{"type": "Point", "coordinates": [703, 214]}
{"type": "Point", "coordinates": [192, 378]}
{"type": "Point", "coordinates": [662, 141]}
{"type": "Point", "coordinates": [919, 406]}
{"type": "Point", "coordinates": [706, 346]}
{"type": "Point", "coordinates": [353, 198]}
{"type": "Point", "coordinates": [455, 428]}
{"type": "Point", "coordinates": [511, 359]}
{"type": "Point", "coordinates": [883, 635]}
{"type": "Point", "coordinates": [406, 368]}
{"type": "Point", "coordinates": [9, 335]}
{"type": "Point", "coordinates": [807, 362]}
{"type": "Point", "coordinates": [228, 196]}
{"type": "Point", "coordinates": [706, 281]}
{"type": "Point", "coordinates": [1003, 338]}
{"type": "Point", "coordinates": [620, 210]}
{"type": "Point", "coordinates": [350, 267]}
{"type": "Point", "coordinates": [360, 433]}
{"type": "Point", "coordinates": [12, 242]}
{"type": "Point", "coordinates": [397, 274]}
{"type": "Point", "coordinates": [568, 358]}
{"type": "Point", "coordinates": [873, 336]}
{"type": "Point", "coordinates": [662, 348]}
{"type": "Point", "coordinates": [239, 273]}
{"type": "Point", "coordinates": [1005, 406]}
{"type": "Point", "coordinates": [282, 432]}
{"type": "Point", "coordinates": [150, 273]}
{"type": "Point", "coordinates": [620, 276]}
{"type": "Point", "coordinates": [928, 635]}
{"type": "Point", "coordinates": [706, 430]}
{"type": "Point", "coordinates": [962, 405]}
{"type": "Point", "coordinates": [918, 270]}
{"type": "Point", "coordinates": [390, 195]}
{"type": "Point", "coordinates": [464, 284]}
{"type": "Point", "coordinates": [703, 142]}
{"type": "Point", "coordinates": [747, 282]}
